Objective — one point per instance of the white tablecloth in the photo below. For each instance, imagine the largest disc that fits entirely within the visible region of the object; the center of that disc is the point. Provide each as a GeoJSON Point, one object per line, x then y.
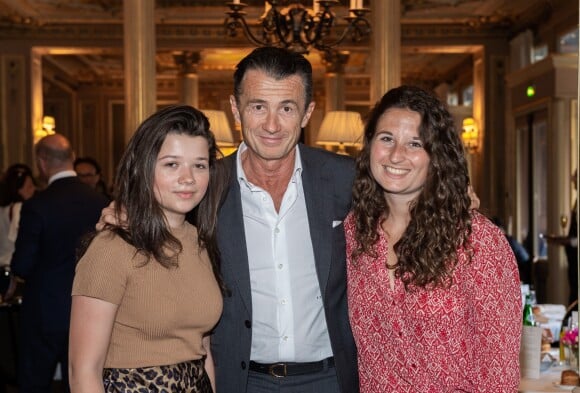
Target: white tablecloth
{"type": "Point", "coordinates": [547, 383]}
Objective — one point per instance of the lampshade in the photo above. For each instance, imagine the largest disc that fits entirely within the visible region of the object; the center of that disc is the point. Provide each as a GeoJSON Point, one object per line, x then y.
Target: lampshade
{"type": "Point", "coordinates": [219, 125]}
{"type": "Point", "coordinates": [342, 128]}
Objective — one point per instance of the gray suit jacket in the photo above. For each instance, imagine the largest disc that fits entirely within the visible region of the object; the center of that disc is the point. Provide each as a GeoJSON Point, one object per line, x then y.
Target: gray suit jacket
{"type": "Point", "coordinates": [327, 180]}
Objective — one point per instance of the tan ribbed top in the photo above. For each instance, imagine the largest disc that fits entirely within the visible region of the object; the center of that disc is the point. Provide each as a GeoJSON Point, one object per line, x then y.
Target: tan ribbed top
{"type": "Point", "coordinates": [163, 313]}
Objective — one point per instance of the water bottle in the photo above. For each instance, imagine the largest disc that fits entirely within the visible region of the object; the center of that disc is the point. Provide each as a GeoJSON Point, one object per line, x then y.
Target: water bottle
{"type": "Point", "coordinates": [528, 319]}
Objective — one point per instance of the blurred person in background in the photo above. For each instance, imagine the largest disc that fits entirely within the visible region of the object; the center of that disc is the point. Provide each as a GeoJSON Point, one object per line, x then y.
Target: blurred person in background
{"type": "Point", "coordinates": [51, 225]}
{"type": "Point", "coordinates": [89, 172]}
{"type": "Point", "coordinates": [17, 185]}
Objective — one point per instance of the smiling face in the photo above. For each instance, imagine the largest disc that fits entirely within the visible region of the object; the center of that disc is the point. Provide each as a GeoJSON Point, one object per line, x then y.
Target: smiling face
{"type": "Point", "coordinates": [398, 161]}
{"type": "Point", "coordinates": [272, 113]}
{"type": "Point", "coordinates": [181, 175]}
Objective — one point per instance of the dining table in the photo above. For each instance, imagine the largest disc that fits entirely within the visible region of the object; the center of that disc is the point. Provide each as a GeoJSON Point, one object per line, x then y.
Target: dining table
{"type": "Point", "coordinates": [549, 380]}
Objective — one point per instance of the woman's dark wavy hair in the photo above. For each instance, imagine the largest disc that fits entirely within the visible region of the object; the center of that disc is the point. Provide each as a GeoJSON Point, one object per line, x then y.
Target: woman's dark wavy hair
{"type": "Point", "coordinates": [12, 181]}
{"type": "Point", "coordinates": [146, 227]}
{"type": "Point", "coordinates": [440, 217]}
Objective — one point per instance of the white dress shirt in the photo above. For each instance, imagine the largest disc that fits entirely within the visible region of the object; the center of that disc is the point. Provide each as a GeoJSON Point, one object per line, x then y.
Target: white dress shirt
{"type": "Point", "coordinates": [288, 322]}
{"type": "Point", "coordinates": [61, 175]}
{"type": "Point", "coordinates": [9, 220]}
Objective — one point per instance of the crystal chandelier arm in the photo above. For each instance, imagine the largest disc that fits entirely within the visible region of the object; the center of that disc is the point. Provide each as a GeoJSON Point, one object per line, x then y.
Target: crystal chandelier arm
{"type": "Point", "coordinates": [358, 28]}
{"type": "Point", "coordinates": [292, 28]}
{"type": "Point", "coordinates": [317, 29]}
{"type": "Point", "coordinates": [280, 27]}
{"type": "Point", "coordinates": [296, 27]}
{"type": "Point", "coordinates": [232, 25]}
{"type": "Point", "coordinates": [236, 20]}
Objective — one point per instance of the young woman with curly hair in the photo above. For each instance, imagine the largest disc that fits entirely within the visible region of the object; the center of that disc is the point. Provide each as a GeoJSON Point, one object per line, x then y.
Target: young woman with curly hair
{"type": "Point", "coordinates": [433, 286]}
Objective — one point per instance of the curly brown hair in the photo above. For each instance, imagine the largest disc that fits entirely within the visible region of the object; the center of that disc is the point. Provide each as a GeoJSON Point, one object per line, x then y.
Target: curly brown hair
{"type": "Point", "coordinates": [440, 216]}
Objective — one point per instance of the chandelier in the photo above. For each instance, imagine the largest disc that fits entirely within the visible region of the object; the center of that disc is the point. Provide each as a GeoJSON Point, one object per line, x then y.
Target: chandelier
{"type": "Point", "coordinates": [298, 28]}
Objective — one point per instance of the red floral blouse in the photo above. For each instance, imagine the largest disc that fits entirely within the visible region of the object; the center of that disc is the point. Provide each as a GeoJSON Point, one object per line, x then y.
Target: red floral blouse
{"type": "Point", "coordinates": [464, 338]}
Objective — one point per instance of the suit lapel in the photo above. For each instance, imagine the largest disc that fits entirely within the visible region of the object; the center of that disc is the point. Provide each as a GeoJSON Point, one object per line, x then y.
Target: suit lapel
{"type": "Point", "coordinates": [232, 238]}
{"type": "Point", "coordinates": [318, 193]}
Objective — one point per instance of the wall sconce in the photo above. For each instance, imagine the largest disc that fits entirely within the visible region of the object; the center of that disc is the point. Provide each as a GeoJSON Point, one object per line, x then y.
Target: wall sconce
{"type": "Point", "coordinates": [341, 128]}
{"type": "Point", "coordinates": [470, 135]}
{"type": "Point", "coordinates": [220, 126]}
{"type": "Point", "coordinates": [48, 124]}
{"type": "Point", "coordinates": [48, 128]}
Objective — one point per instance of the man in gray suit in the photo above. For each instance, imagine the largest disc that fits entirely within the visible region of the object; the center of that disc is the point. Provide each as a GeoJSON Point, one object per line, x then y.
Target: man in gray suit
{"type": "Point", "coordinates": [285, 323]}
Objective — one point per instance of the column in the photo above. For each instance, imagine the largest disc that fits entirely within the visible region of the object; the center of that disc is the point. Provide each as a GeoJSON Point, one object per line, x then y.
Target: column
{"type": "Point", "coordinates": [139, 58]}
{"type": "Point", "coordinates": [188, 80]}
{"type": "Point", "coordinates": [385, 47]}
{"type": "Point", "coordinates": [334, 79]}
{"type": "Point", "coordinates": [559, 187]}
{"type": "Point", "coordinates": [19, 107]}
{"type": "Point", "coordinates": [477, 163]}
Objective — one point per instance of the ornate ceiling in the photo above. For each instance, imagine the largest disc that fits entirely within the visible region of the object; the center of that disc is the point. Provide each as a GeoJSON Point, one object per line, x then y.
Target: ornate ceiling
{"type": "Point", "coordinates": [83, 38]}
{"type": "Point", "coordinates": [110, 11]}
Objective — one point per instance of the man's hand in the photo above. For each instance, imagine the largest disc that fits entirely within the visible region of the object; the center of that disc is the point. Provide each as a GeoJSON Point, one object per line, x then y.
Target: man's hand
{"type": "Point", "coordinates": [474, 198]}
{"type": "Point", "coordinates": [14, 281]}
{"type": "Point", "coordinates": [108, 216]}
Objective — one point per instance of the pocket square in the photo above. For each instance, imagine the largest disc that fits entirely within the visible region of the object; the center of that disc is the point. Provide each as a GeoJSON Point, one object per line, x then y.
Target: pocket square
{"type": "Point", "coordinates": [336, 223]}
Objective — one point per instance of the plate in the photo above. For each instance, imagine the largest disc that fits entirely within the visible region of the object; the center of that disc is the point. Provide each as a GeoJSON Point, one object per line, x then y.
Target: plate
{"type": "Point", "coordinates": [564, 387]}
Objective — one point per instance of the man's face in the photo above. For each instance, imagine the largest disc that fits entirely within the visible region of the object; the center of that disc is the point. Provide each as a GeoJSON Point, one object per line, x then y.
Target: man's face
{"type": "Point", "coordinates": [87, 174]}
{"type": "Point", "coordinates": [271, 113]}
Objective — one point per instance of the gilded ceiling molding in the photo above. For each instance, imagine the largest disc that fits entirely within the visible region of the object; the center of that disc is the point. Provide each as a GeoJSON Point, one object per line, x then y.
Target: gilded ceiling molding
{"type": "Point", "coordinates": [100, 32]}
{"type": "Point", "coordinates": [214, 35]}
{"type": "Point", "coordinates": [459, 31]}
{"type": "Point", "coordinates": [360, 82]}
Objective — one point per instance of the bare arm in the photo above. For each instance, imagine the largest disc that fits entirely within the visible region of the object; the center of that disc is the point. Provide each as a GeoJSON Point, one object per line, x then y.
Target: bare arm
{"type": "Point", "coordinates": [209, 366]}
{"type": "Point", "coordinates": [90, 333]}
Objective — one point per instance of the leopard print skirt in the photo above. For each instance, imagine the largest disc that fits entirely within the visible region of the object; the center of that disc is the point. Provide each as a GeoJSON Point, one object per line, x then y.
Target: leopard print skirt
{"type": "Point", "coordinates": [186, 377]}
